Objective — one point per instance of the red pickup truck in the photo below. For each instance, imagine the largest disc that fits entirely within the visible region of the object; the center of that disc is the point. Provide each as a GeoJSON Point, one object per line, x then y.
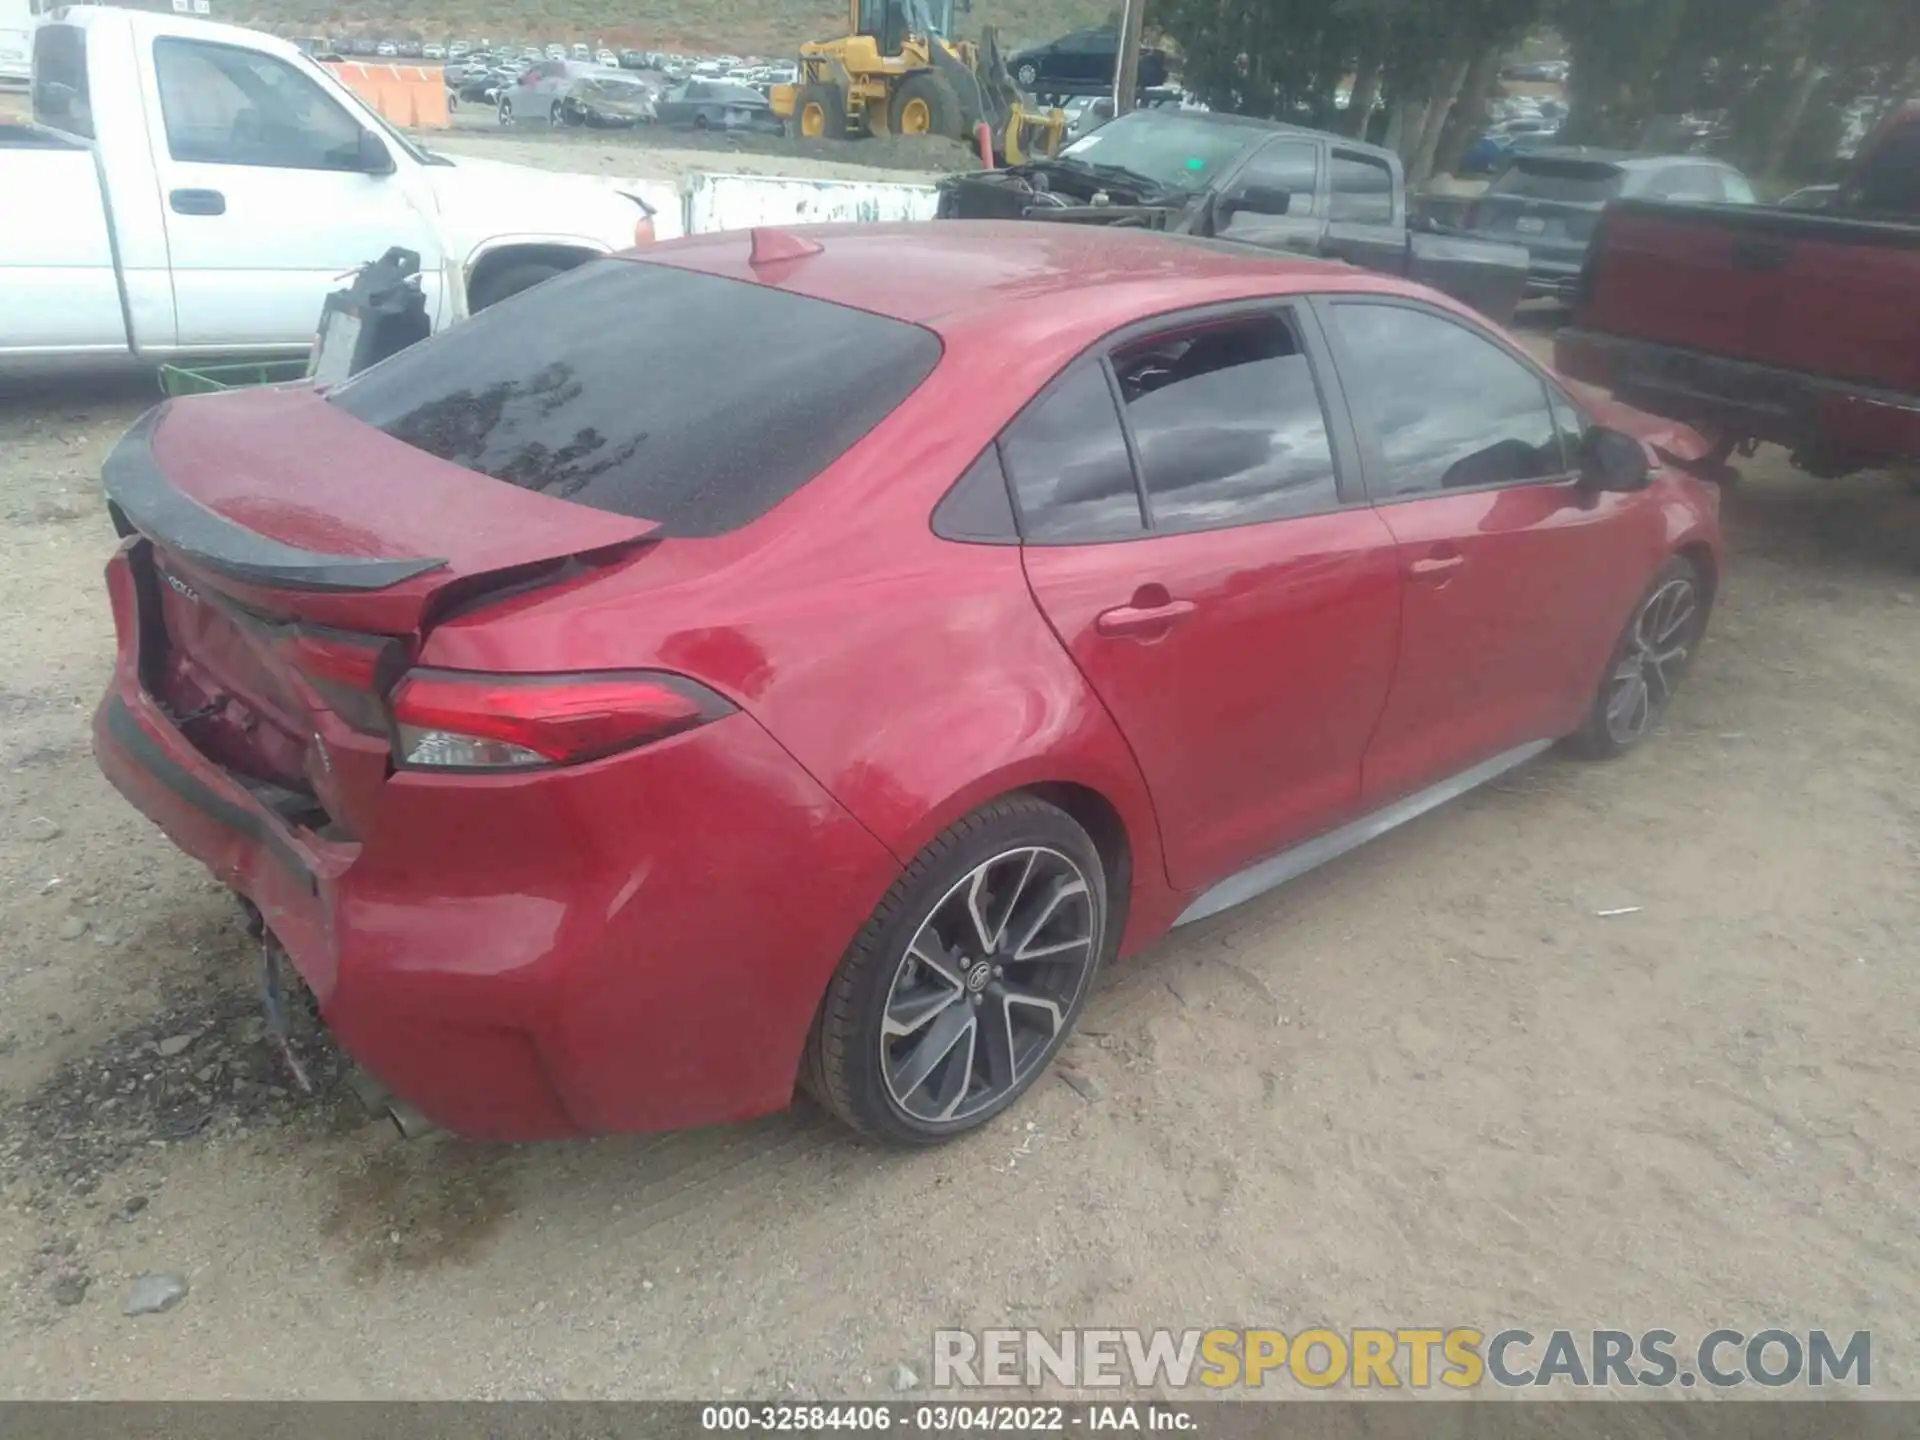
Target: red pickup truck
{"type": "Point", "coordinates": [1799, 326]}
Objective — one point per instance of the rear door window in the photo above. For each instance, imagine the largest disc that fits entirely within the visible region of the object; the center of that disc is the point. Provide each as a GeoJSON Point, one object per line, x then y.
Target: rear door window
{"type": "Point", "coordinates": [1362, 189]}
{"type": "Point", "coordinates": [60, 97]}
{"type": "Point", "coordinates": [1227, 424]}
{"type": "Point", "coordinates": [1067, 458]}
{"type": "Point", "coordinates": [649, 391]}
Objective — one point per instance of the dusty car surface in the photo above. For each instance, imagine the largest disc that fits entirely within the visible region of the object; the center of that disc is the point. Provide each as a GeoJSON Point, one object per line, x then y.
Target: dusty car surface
{"type": "Point", "coordinates": [596, 774]}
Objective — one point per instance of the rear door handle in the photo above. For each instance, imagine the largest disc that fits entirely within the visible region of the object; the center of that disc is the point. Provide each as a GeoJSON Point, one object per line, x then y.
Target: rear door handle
{"type": "Point", "coordinates": [1142, 621]}
{"type": "Point", "coordinates": [197, 202]}
{"type": "Point", "coordinates": [1435, 569]}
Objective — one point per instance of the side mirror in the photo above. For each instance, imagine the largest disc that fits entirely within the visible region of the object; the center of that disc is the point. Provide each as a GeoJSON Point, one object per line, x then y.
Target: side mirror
{"type": "Point", "coordinates": [1613, 461]}
{"type": "Point", "coordinates": [1258, 200]}
{"type": "Point", "coordinates": [371, 156]}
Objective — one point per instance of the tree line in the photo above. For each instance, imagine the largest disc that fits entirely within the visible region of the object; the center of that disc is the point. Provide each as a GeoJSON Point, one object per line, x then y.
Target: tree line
{"type": "Point", "coordinates": [1781, 74]}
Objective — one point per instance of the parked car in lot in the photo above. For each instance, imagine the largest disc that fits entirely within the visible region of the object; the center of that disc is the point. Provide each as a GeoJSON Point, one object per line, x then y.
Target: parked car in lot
{"type": "Point", "coordinates": [1796, 325]}
{"type": "Point", "coordinates": [387, 49]}
{"type": "Point", "coordinates": [718, 105]}
{"type": "Point", "coordinates": [201, 189]}
{"type": "Point", "coordinates": [1175, 571]}
{"type": "Point", "coordinates": [480, 86]}
{"type": "Point", "coordinates": [433, 52]}
{"type": "Point", "coordinates": [1550, 201]}
{"type": "Point", "coordinates": [1081, 60]}
{"type": "Point", "coordinates": [1256, 182]}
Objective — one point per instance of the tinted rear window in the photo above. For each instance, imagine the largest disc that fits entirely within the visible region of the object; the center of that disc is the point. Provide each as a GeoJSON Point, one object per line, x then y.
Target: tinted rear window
{"type": "Point", "coordinates": [686, 399]}
{"type": "Point", "coordinates": [1580, 182]}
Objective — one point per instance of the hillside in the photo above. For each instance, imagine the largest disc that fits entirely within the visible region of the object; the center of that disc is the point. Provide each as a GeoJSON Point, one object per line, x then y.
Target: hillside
{"type": "Point", "coordinates": [743, 27]}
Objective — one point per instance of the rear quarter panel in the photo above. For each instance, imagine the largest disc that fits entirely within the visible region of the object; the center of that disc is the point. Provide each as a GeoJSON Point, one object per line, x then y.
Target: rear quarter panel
{"type": "Point", "coordinates": [912, 676]}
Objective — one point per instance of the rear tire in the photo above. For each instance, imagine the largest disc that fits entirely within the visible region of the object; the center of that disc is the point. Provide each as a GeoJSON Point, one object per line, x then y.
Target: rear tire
{"type": "Point", "coordinates": [967, 979]}
{"type": "Point", "coordinates": [1645, 669]}
{"type": "Point", "coordinates": [925, 104]}
{"type": "Point", "coordinates": [506, 113]}
{"type": "Point", "coordinates": [1028, 75]}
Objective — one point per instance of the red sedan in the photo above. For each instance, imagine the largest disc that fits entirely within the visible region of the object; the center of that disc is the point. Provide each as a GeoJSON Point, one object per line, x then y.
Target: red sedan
{"type": "Point", "coordinates": [807, 656]}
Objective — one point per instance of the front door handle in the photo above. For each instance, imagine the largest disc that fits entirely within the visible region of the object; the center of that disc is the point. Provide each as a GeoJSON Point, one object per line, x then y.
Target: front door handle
{"type": "Point", "coordinates": [197, 202]}
{"type": "Point", "coordinates": [1143, 622]}
{"type": "Point", "coordinates": [1435, 569]}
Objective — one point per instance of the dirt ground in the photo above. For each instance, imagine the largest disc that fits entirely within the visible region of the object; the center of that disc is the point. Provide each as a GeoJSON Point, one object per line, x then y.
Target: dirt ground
{"type": "Point", "coordinates": [1430, 1084]}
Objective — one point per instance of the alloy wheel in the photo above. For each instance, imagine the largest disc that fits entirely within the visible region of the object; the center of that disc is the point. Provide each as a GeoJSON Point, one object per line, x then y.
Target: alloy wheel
{"type": "Point", "coordinates": [981, 997]}
{"type": "Point", "coordinates": [506, 113]}
{"type": "Point", "coordinates": [1657, 651]}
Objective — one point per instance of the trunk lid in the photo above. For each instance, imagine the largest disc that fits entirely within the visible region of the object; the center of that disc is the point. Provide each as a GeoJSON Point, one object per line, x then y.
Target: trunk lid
{"type": "Point", "coordinates": [293, 559]}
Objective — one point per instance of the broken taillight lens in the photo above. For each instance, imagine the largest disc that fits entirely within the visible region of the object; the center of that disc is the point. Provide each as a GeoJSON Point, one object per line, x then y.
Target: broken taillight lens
{"type": "Point", "coordinates": [346, 671]}
{"type": "Point", "coordinates": [461, 720]}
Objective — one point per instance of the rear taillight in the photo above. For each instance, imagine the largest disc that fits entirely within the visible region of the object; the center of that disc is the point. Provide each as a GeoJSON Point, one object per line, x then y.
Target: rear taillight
{"type": "Point", "coordinates": [643, 231]}
{"type": "Point", "coordinates": [459, 720]}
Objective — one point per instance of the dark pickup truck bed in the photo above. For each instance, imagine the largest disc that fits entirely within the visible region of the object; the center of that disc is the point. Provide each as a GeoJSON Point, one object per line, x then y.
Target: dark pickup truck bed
{"type": "Point", "coordinates": [1799, 327]}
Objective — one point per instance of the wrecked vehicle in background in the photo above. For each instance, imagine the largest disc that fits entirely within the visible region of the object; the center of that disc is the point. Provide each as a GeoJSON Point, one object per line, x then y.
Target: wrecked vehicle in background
{"type": "Point", "coordinates": [1258, 182]}
{"type": "Point", "coordinates": [1791, 324]}
{"type": "Point", "coordinates": [719, 105]}
{"type": "Point", "coordinates": [574, 92]}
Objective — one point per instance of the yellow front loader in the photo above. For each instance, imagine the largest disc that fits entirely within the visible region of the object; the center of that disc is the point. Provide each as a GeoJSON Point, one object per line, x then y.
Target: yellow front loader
{"type": "Point", "coordinates": [898, 72]}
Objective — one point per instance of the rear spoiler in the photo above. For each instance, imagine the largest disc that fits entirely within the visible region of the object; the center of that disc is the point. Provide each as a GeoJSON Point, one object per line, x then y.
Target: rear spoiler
{"type": "Point", "coordinates": [139, 493]}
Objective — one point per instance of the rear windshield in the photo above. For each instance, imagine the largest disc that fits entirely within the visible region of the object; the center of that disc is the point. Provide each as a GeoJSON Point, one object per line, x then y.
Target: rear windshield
{"type": "Point", "coordinates": [690, 400]}
{"type": "Point", "coordinates": [1580, 182]}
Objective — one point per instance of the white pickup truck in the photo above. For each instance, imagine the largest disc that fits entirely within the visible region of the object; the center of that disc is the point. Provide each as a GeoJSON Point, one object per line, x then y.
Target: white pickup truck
{"type": "Point", "coordinates": [195, 189]}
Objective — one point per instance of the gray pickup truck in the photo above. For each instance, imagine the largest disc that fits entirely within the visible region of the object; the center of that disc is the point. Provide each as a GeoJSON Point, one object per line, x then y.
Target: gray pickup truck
{"type": "Point", "coordinates": [1227, 177]}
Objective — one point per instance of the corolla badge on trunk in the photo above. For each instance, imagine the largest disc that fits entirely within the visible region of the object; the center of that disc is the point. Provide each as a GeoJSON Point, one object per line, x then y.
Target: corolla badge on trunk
{"type": "Point", "coordinates": [181, 587]}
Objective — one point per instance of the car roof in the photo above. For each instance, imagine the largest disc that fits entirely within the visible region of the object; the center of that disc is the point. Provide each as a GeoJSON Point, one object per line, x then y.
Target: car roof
{"type": "Point", "coordinates": [957, 277]}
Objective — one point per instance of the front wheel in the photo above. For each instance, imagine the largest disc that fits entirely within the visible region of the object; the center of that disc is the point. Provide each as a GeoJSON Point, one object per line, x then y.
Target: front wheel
{"type": "Point", "coordinates": [966, 980]}
{"type": "Point", "coordinates": [1028, 75]}
{"type": "Point", "coordinates": [1647, 664]}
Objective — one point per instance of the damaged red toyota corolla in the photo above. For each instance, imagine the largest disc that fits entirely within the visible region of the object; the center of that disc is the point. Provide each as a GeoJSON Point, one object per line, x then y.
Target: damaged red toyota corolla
{"type": "Point", "coordinates": [805, 657]}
